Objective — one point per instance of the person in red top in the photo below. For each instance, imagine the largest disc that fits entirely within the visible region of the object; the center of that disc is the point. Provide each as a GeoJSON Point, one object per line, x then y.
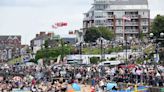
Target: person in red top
{"type": "Point", "coordinates": [33, 82]}
{"type": "Point", "coordinates": [93, 89]}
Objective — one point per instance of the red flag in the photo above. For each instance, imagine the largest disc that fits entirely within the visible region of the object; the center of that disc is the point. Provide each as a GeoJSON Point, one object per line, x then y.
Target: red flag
{"type": "Point", "coordinates": [54, 27]}
{"type": "Point", "coordinates": [64, 24]}
{"type": "Point", "coordinates": [59, 24]}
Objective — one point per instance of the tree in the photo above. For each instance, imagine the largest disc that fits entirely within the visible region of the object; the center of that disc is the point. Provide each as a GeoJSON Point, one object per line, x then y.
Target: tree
{"type": "Point", "coordinates": [48, 53]}
{"type": "Point", "coordinates": [158, 25]}
{"type": "Point", "coordinates": [157, 28]}
{"type": "Point", "coordinates": [141, 35]}
{"type": "Point", "coordinates": [92, 34]}
{"type": "Point", "coordinates": [94, 60]}
{"type": "Point", "coordinates": [106, 33]}
{"type": "Point", "coordinates": [46, 44]}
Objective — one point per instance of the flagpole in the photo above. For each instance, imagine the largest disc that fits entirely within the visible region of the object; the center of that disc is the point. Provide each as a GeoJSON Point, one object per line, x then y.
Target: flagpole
{"type": "Point", "coordinates": [124, 39]}
{"type": "Point", "coordinates": [123, 29]}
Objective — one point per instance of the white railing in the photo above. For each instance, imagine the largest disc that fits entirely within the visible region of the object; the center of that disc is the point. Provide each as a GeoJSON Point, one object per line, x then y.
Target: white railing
{"type": "Point", "coordinates": [109, 24]}
{"type": "Point", "coordinates": [144, 23]}
{"type": "Point", "coordinates": [101, 2]}
{"type": "Point", "coordinates": [110, 16]}
{"type": "Point", "coordinates": [132, 16]}
{"type": "Point", "coordinates": [88, 18]}
{"type": "Point", "coordinates": [127, 24]}
{"type": "Point", "coordinates": [128, 31]}
{"type": "Point", "coordinates": [131, 23]}
{"type": "Point", "coordinates": [131, 31]}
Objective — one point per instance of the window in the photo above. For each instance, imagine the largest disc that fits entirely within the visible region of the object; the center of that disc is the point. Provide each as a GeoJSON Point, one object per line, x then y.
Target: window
{"type": "Point", "coordinates": [100, 22]}
{"type": "Point", "coordinates": [100, 7]}
{"type": "Point", "coordinates": [99, 14]}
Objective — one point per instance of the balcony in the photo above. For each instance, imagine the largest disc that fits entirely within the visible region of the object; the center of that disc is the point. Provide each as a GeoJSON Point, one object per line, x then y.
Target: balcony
{"type": "Point", "coordinates": [131, 31]}
{"type": "Point", "coordinates": [128, 31]}
{"type": "Point", "coordinates": [132, 16]}
{"type": "Point", "coordinates": [131, 23]}
{"type": "Point", "coordinates": [127, 24]}
{"type": "Point", "coordinates": [101, 2]}
{"type": "Point", "coordinates": [88, 18]}
{"type": "Point", "coordinates": [110, 17]}
{"type": "Point", "coordinates": [119, 24]}
{"type": "Point", "coordinates": [147, 17]}
{"type": "Point", "coordinates": [109, 24]}
{"type": "Point", "coordinates": [144, 23]}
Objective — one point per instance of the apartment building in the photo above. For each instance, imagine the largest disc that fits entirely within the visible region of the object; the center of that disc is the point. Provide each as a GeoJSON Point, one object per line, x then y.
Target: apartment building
{"type": "Point", "coordinates": [110, 13]}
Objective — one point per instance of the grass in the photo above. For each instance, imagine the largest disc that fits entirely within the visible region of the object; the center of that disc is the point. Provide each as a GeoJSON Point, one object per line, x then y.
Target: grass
{"type": "Point", "coordinates": [149, 49]}
{"type": "Point", "coordinates": [15, 60]}
{"type": "Point", "coordinates": [91, 50]}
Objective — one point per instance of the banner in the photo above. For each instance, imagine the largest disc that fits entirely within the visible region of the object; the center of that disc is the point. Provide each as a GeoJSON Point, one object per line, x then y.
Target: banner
{"type": "Point", "coordinates": [59, 24]}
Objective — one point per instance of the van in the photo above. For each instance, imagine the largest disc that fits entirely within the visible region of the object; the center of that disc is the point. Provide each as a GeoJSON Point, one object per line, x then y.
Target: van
{"type": "Point", "coordinates": [106, 63]}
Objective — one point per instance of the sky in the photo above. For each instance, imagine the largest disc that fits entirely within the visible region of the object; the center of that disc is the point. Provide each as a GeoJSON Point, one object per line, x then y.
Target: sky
{"type": "Point", "coordinates": [28, 17]}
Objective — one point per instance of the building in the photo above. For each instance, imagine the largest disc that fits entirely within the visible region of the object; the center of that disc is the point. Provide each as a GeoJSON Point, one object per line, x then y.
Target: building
{"type": "Point", "coordinates": [38, 42]}
{"type": "Point", "coordinates": [110, 13]}
{"type": "Point", "coordinates": [71, 41]}
{"type": "Point", "coordinates": [10, 46]}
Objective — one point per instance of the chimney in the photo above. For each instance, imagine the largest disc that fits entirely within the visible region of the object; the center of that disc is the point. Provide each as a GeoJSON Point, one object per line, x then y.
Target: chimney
{"type": "Point", "coordinates": [50, 34]}
{"type": "Point", "coordinates": [42, 33]}
{"type": "Point", "coordinates": [37, 35]}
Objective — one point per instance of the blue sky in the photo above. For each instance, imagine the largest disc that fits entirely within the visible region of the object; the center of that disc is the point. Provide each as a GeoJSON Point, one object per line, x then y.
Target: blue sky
{"type": "Point", "coordinates": [28, 17]}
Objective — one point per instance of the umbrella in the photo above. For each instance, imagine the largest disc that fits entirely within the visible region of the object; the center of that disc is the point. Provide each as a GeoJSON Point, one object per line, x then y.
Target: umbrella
{"type": "Point", "coordinates": [111, 85]}
{"type": "Point", "coordinates": [30, 64]}
{"type": "Point", "coordinates": [131, 66]}
{"type": "Point", "coordinates": [127, 66]}
{"type": "Point", "coordinates": [17, 78]}
{"type": "Point", "coordinates": [70, 90]}
{"type": "Point", "coordinates": [76, 87]}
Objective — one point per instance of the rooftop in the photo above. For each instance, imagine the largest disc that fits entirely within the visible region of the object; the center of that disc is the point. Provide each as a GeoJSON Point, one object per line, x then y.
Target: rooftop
{"type": "Point", "coordinates": [122, 2]}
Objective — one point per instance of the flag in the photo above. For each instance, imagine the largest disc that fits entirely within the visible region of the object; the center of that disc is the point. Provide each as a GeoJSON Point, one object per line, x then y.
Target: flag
{"type": "Point", "coordinates": [54, 27]}
{"type": "Point", "coordinates": [126, 18]}
{"type": "Point", "coordinates": [64, 24]}
{"type": "Point", "coordinates": [59, 24]}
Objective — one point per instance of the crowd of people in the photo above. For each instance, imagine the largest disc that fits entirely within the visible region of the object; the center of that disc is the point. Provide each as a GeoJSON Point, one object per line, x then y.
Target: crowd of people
{"type": "Point", "coordinates": [58, 78]}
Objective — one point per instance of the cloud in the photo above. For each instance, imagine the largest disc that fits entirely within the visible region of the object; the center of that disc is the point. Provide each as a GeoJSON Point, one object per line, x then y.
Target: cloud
{"type": "Point", "coordinates": [156, 7]}
{"type": "Point", "coordinates": [28, 17]}
{"type": "Point", "coordinates": [43, 3]}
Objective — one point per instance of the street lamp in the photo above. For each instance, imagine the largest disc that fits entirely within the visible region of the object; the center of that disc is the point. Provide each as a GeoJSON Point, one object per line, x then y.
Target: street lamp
{"type": "Point", "coordinates": [80, 52]}
{"type": "Point", "coordinates": [151, 35]}
{"type": "Point", "coordinates": [101, 41]}
{"type": "Point", "coordinates": [62, 53]}
{"type": "Point", "coordinates": [101, 48]}
{"type": "Point", "coordinates": [126, 50]}
{"type": "Point", "coordinates": [162, 34]}
{"type": "Point", "coordinates": [155, 40]}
